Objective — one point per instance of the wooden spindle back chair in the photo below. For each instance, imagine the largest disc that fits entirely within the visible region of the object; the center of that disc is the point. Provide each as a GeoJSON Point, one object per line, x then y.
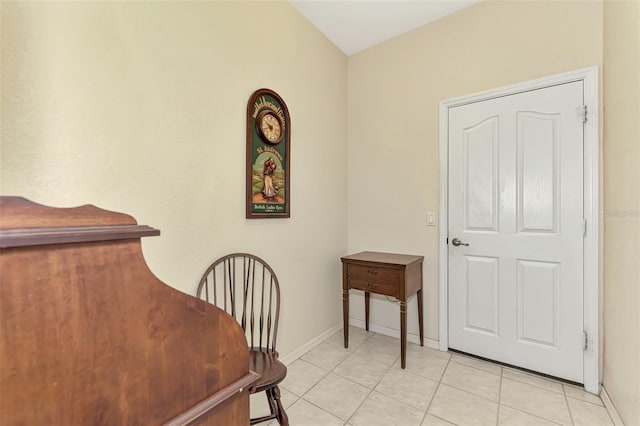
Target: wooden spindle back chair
{"type": "Point", "coordinates": [247, 288]}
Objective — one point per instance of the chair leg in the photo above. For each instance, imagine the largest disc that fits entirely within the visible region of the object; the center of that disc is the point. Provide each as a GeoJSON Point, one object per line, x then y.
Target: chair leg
{"type": "Point", "coordinates": [281, 415]}
{"type": "Point", "coordinates": [272, 408]}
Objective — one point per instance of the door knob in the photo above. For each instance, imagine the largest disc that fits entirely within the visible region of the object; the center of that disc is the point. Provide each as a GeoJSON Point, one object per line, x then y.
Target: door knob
{"type": "Point", "coordinates": [456, 242]}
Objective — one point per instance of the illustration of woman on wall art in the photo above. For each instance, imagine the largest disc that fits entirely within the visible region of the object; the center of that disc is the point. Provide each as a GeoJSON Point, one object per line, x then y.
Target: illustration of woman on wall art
{"type": "Point", "coordinates": [269, 191]}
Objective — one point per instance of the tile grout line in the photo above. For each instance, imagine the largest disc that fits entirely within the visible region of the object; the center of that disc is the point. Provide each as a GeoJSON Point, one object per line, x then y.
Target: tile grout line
{"type": "Point", "coordinates": [312, 387]}
{"type": "Point", "coordinates": [355, 348]}
{"type": "Point", "coordinates": [584, 400]}
{"type": "Point", "coordinates": [353, 381]}
{"type": "Point", "coordinates": [335, 345]}
{"type": "Point", "coordinates": [317, 406]}
{"type": "Point", "coordinates": [477, 368]}
{"type": "Point", "coordinates": [436, 391]}
{"type": "Point", "coordinates": [402, 402]}
{"type": "Point", "coordinates": [440, 418]}
{"type": "Point", "coordinates": [472, 394]}
{"type": "Point", "coordinates": [358, 407]}
{"type": "Point", "coordinates": [535, 386]}
{"type": "Point", "coordinates": [374, 386]}
{"type": "Point", "coordinates": [499, 396]}
{"type": "Point", "coordinates": [365, 398]}
{"type": "Point", "coordinates": [345, 378]}
{"type": "Point", "coordinates": [332, 368]}
{"type": "Point", "coordinates": [314, 384]}
{"type": "Point", "coordinates": [501, 375]}
{"type": "Point", "coordinates": [528, 412]}
{"type": "Point", "coordinates": [386, 372]}
{"type": "Point", "coordinates": [563, 384]}
{"type": "Point", "coordinates": [451, 358]}
{"type": "Point", "coordinates": [566, 402]}
{"type": "Point", "coordinates": [532, 415]}
{"type": "Point", "coordinates": [535, 376]}
{"type": "Point", "coordinates": [524, 373]}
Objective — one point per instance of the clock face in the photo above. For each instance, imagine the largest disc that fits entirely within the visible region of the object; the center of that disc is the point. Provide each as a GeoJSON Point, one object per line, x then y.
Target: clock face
{"type": "Point", "coordinates": [269, 127]}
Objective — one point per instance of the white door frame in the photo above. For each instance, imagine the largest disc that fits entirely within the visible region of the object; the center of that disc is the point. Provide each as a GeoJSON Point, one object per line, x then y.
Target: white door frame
{"type": "Point", "coordinates": [589, 77]}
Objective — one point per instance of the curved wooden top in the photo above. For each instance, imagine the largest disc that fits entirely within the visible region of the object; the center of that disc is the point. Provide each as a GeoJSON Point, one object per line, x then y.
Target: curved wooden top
{"type": "Point", "coordinates": [25, 223]}
{"type": "Point", "coordinates": [18, 212]}
{"type": "Point", "coordinates": [88, 335]}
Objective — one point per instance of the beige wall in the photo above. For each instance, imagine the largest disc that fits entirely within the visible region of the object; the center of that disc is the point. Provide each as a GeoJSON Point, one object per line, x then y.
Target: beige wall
{"type": "Point", "coordinates": [140, 107]}
{"type": "Point", "coordinates": [394, 94]}
{"type": "Point", "coordinates": [622, 207]}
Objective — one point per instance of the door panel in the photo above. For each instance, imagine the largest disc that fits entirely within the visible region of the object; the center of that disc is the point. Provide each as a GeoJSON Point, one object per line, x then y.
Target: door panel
{"type": "Point", "coordinates": [515, 196]}
{"type": "Point", "coordinates": [481, 163]}
{"type": "Point", "coordinates": [537, 171]}
{"type": "Point", "coordinates": [538, 302]}
{"type": "Point", "coordinates": [481, 290]}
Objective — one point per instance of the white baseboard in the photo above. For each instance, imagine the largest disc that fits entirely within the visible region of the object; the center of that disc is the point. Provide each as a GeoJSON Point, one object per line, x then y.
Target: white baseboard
{"type": "Point", "coordinates": [310, 345]}
{"type": "Point", "coordinates": [392, 332]}
{"type": "Point", "coordinates": [617, 421]}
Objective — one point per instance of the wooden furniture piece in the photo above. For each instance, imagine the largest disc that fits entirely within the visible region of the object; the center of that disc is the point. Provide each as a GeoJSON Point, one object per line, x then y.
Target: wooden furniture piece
{"type": "Point", "coordinates": [389, 274]}
{"type": "Point", "coordinates": [246, 287]}
{"type": "Point", "coordinates": [89, 336]}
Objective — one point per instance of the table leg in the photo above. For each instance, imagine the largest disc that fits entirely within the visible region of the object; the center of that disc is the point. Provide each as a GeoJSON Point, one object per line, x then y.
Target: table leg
{"type": "Point", "coordinates": [367, 298]}
{"type": "Point", "coordinates": [345, 316]}
{"type": "Point", "coordinates": [420, 317]}
{"type": "Point", "coordinates": [403, 333]}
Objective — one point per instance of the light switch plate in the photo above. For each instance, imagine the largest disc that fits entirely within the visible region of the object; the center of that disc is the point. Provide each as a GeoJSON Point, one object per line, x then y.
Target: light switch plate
{"type": "Point", "coordinates": [431, 219]}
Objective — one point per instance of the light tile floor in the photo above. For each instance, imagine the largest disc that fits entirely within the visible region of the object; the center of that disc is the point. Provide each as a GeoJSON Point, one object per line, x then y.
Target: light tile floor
{"type": "Point", "coordinates": [365, 386]}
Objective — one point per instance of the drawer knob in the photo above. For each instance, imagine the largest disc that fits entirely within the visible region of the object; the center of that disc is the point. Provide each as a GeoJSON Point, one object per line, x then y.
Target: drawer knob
{"type": "Point", "coordinates": [371, 285]}
{"type": "Point", "coordinates": [372, 271]}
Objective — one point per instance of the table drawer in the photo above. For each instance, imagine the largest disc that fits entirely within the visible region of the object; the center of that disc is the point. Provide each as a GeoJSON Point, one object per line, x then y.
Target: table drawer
{"type": "Point", "coordinates": [379, 287]}
{"type": "Point", "coordinates": [374, 273]}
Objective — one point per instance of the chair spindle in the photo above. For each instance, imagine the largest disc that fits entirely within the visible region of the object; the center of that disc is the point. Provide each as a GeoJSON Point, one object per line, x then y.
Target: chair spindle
{"type": "Point", "coordinates": [273, 347]}
{"type": "Point", "coordinates": [253, 288]}
{"type": "Point", "coordinates": [262, 307]}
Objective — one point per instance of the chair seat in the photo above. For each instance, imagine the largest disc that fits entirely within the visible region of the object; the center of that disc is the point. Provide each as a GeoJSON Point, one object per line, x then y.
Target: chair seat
{"type": "Point", "coordinates": [267, 365]}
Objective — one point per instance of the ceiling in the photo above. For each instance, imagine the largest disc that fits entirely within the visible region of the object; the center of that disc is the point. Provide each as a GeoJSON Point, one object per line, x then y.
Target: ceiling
{"type": "Point", "coordinates": [354, 25]}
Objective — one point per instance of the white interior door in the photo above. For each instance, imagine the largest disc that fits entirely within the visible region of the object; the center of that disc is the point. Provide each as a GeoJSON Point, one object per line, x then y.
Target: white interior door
{"type": "Point", "coordinates": [516, 198]}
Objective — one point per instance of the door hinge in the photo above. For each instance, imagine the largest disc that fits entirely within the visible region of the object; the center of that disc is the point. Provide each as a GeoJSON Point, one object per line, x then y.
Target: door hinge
{"type": "Point", "coordinates": [584, 227]}
{"type": "Point", "coordinates": [584, 113]}
{"type": "Point", "coordinates": [585, 341]}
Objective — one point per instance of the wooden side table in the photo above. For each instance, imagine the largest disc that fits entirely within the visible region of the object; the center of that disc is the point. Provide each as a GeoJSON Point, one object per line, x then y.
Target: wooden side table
{"type": "Point", "coordinates": [389, 274]}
